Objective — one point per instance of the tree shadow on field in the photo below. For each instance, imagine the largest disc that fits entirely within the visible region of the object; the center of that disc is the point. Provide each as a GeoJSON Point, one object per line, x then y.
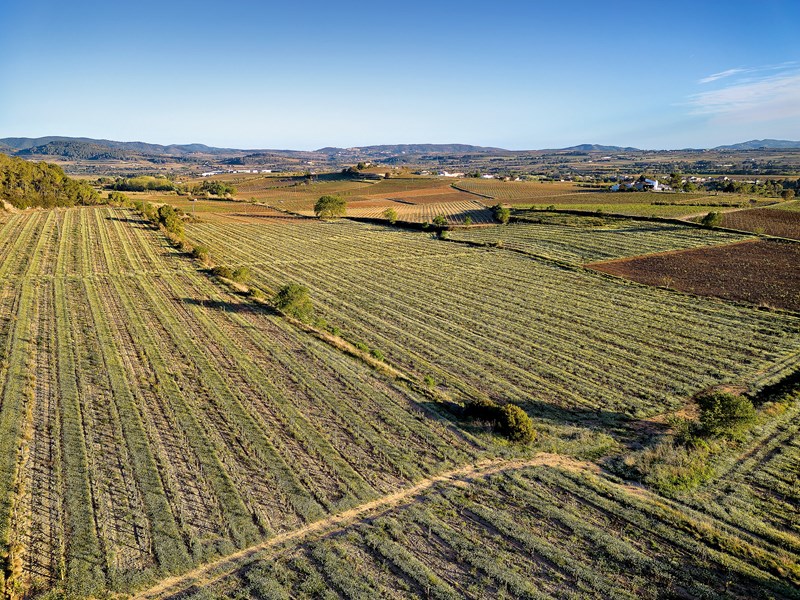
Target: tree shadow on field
{"type": "Point", "coordinates": [626, 429]}
{"type": "Point", "coordinates": [231, 307]}
{"type": "Point", "coordinates": [131, 220]}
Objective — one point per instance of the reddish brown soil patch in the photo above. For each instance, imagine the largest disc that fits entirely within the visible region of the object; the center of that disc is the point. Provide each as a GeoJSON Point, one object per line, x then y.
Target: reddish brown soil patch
{"type": "Point", "coordinates": [766, 272]}
{"type": "Point", "coordinates": [772, 221]}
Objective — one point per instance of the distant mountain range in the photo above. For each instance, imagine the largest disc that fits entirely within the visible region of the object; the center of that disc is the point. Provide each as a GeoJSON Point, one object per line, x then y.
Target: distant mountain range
{"type": "Point", "coordinates": [601, 148]}
{"type": "Point", "coordinates": [61, 143]}
{"type": "Point", "coordinates": [79, 148]}
{"type": "Point", "coordinates": [398, 149]}
{"type": "Point", "coordinates": [759, 144]}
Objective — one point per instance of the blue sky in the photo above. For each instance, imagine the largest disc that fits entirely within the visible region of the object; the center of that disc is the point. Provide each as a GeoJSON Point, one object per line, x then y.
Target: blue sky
{"type": "Point", "coordinates": [511, 74]}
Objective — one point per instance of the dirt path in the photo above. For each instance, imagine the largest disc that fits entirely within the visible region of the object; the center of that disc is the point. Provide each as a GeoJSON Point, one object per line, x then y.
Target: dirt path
{"type": "Point", "coordinates": [209, 573]}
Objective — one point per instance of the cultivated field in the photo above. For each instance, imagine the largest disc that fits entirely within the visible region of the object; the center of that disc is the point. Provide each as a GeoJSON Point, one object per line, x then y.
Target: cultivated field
{"type": "Point", "coordinates": [162, 422]}
{"type": "Point", "coordinates": [571, 196]}
{"type": "Point", "coordinates": [759, 272]}
{"type": "Point", "coordinates": [781, 223]}
{"type": "Point", "coordinates": [455, 213]}
{"type": "Point", "coordinates": [581, 240]}
{"type": "Point", "coordinates": [163, 434]}
{"type": "Point", "coordinates": [503, 536]}
{"type": "Point", "coordinates": [492, 322]}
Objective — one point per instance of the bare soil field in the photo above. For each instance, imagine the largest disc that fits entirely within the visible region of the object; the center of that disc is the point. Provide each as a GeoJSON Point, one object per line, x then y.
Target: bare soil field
{"type": "Point", "coordinates": [760, 272]}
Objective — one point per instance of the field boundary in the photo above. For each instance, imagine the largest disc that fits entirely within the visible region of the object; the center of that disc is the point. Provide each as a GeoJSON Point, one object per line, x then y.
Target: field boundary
{"type": "Point", "coordinates": [209, 573]}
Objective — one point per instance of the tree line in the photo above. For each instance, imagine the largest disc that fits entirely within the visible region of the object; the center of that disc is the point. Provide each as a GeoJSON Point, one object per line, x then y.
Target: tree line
{"type": "Point", "coordinates": [25, 184]}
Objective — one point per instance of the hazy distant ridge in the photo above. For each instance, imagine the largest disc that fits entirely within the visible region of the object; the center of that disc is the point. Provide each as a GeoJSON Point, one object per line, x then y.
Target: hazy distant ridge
{"type": "Point", "coordinates": [759, 144]}
{"type": "Point", "coordinates": [99, 149]}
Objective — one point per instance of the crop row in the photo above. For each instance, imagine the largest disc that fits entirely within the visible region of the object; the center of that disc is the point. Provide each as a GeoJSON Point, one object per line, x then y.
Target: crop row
{"type": "Point", "coordinates": [586, 244]}
{"type": "Point", "coordinates": [536, 533]}
{"type": "Point", "coordinates": [509, 326]}
{"type": "Point", "coordinates": [160, 421]}
{"type": "Point", "coordinates": [455, 213]}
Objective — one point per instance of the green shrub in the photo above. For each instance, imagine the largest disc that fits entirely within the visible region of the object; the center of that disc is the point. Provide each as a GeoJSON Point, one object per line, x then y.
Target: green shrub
{"type": "Point", "coordinates": [712, 219]}
{"type": "Point", "coordinates": [200, 252]}
{"type": "Point", "coordinates": [725, 415]}
{"type": "Point", "coordinates": [222, 271]}
{"type": "Point", "coordinates": [390, 215]}
{"type": "Point", "coordinates": [170, 219]}
{"type": "Point", "coordinates": [508, 420]}
{"type": "Point", "coordinates": [439, 221]}
{"type": "Point", "coordinates": [501, 213]}
{"type": "Point", "coordinates": [515, 424]}
{"type": "Point", "coordinates": [294, 300]}
{"type": "Point", "coordinates": [377, 354]}
{"type": "Point", "coordinates": [241, 275]}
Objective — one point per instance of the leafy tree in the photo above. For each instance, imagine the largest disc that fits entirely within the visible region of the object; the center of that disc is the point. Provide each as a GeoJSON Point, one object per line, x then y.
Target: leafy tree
{"type": "Point", "coordinates": [501, 213]}
{"type": "Point", "coordinates": [223, 271]}
{"type": "Point", "coordinates": [200, 252]}
{"type": "Point", "coordinates": [725, 415]}
{"type": "Point", "coordinates": [468, 221]}
{"type": "Point", "coordinates": [214, 188]}
{"type": "Point", "coordinates": [118, 198]}
{"type": "Point", "coordinates": [330, 206]}
{"type": "Point", "coordinates": [787, 194]}
{"type": "Point", "coordinates": [294, 300]}
{"type": "Point", "coordinates": [515, 424]}
{"type": "Point", "coordinates": [439, 221]}
{"type": "Point", "coordinates": [712, 219]}
{"type": "Point", "coordinates": [390, 215]}
{"type": "Point", "coordinates": [170, 219]}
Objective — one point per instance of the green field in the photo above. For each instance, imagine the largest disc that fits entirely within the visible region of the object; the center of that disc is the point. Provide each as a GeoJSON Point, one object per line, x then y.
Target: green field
{"type": "Point", "coordinates": [588, 239]}
{"type": "Point", "coordinates": [155, 411]}
{"type": "Point", "coordinates": [492, 322]}
{"type": "Point", "coordinates": [503, 536]}
{"type": "Point", "coordinates": [163, 432]}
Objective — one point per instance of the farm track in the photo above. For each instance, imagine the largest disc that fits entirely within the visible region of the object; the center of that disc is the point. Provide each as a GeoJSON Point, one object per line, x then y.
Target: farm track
{"type": "Point", "coordinates": [207, 574]}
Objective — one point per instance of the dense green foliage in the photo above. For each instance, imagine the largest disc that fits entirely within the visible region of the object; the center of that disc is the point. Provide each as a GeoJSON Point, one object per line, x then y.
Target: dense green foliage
{"type": "Point", "coordinates": [25, 184]}
{"type": "Point", "coordinates": [712, 219]}
{"type": "Point", "coordinates": [170, 219]}
{"type": "Point", "coordinates": [143, 183]}
{"type": "Point", "coordinates": [509, 420]}
{"type": "Point", "coordinates": [330, 206]}
{"type": "Point", "coordinates": [390, 215]}
{"type": "Point", "coordinates": [294, 300]}
{"type": "Point", "coordinates": [725, 415]}
{"type": "Point", "coordinates": [214, 188]}
{"type": "Point", "coordinates": [501, 213]}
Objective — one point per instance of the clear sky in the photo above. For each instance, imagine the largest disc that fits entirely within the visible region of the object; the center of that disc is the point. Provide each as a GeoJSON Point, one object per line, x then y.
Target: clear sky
{"type": "Point", "coordinates": [520, 75]}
